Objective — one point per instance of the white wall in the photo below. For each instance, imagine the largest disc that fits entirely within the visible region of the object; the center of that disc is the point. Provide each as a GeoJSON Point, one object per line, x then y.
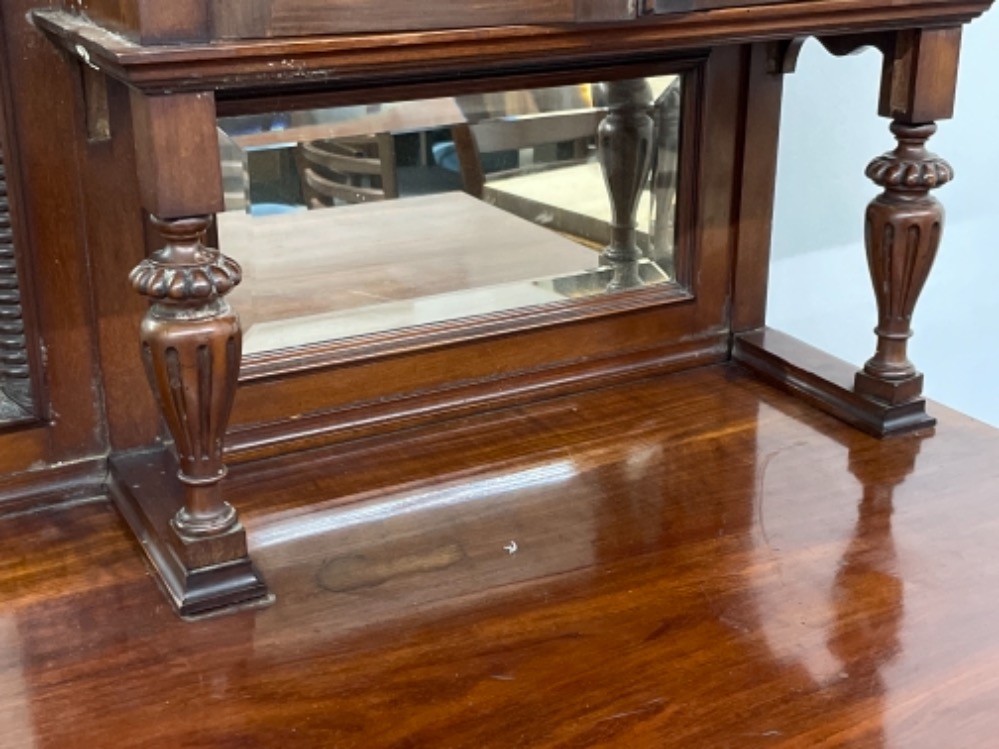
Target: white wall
{"type": "Point", "coordinates": [820, 289]}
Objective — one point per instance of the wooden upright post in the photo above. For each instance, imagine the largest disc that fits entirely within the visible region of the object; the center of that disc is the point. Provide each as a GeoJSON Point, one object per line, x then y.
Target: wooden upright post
{"type": "Point", "coordinates": [191, 347]}
{"type": "Point", "coordinates": [904, 223]}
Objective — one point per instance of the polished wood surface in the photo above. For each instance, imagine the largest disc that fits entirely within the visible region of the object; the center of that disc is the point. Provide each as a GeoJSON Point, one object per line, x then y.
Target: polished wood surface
{"type": "Point", "coordinates": [694, 561]}
{"type": "Point", "coordinates": [826, 382]}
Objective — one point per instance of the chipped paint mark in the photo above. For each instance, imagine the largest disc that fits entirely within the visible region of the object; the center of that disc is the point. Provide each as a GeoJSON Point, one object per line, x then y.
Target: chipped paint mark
{"type": "Point", "coordinates": [511, 547]}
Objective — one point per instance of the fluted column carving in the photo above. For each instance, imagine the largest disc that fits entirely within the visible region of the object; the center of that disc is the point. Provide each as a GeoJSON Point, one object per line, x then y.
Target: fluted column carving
{"type": "Point", "coordinates": [15, 379]}
{"type": "Point", "coordinates": [903, 229]}
{"type": "Point", "coordinates": [191, 346]}
{"type": "Point", "coordinates": [624, 147]}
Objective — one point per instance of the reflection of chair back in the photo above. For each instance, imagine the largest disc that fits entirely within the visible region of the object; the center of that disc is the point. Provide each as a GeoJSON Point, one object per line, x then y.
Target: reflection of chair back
{"type": "Point", "coordinates": [348, 170]}
{"type": "Point", "coordinates": [493, 136]}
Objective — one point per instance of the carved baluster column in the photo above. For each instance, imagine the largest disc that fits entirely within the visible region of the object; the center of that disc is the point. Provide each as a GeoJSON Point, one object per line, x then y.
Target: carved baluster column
{"type": "Point", "coordinates": [191, 346]}
{"type": "Point", "coordinates": [624, 146]}
{"type": "Point", "coordinates": [903, 230]}
{"type": "Point", "coordinates": [904, 223]}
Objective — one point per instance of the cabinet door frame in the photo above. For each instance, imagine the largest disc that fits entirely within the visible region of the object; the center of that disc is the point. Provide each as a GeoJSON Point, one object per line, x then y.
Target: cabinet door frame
{"type": "Point", "coordinates": [59, 450]}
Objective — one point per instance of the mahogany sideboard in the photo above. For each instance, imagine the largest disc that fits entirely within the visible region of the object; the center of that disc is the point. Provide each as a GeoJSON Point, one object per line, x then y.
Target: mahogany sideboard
{"type": "Point", "coordinates": [112, 163]}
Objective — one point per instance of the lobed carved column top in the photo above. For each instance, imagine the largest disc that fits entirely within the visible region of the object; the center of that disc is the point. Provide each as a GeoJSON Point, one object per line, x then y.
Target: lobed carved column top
{"type": "Point", "coordinates": [185, 271]}
{"type": "Point", "coordinates": [910, 167]}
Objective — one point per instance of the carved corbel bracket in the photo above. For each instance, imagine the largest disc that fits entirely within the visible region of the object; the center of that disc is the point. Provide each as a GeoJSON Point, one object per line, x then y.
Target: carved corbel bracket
{"type": "Point", "coordinates": [782, 56]}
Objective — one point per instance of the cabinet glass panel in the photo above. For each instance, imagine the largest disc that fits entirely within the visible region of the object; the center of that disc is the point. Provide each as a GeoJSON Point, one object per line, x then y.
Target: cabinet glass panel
{"type": "Point", "coordinates": [354, 221]}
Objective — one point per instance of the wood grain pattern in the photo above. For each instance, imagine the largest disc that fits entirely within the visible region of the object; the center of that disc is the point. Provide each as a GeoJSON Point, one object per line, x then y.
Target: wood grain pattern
{"type": "Point", "coordinates": [247, 19]}
{"type": "Point", "coordinates": [614, 465]}
{"type": "Point", "coordinates": [700, 561]}
{"type": "Point", "coordinates": [826, 382]}
{"type": "Point", "coordinates": [332, 60]}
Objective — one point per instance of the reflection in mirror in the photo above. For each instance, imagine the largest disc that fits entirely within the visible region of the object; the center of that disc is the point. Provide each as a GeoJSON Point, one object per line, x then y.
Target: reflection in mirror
{"type": "Point", "coordinates": [357, 220]}
{"type": "Point", "coordinates": [15, 383]}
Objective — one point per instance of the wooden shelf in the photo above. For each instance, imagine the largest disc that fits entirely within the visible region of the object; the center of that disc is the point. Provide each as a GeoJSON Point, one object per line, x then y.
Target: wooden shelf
{"type": "Point", "coordinates": [687, 549]}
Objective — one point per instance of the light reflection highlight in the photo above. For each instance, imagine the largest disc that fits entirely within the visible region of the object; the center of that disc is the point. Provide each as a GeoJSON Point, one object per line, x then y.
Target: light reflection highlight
{"type": "Point", "coordinates": [315, 524]}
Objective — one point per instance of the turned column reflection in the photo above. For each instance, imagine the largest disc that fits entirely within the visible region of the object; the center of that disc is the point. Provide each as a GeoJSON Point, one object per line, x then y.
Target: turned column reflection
{"type": "Point", "coordinates": [191, 344]}
{"type": "Point", "coordinates": [868, 591]}
{"type": "Point", "coordinates": [624, 147]}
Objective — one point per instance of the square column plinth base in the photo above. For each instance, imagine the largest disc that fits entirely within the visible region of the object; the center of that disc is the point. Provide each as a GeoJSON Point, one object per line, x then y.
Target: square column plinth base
{"type": "Point", "coordinates": [829, 384]}
{"type": "Point", "coordinates": [200, 576]}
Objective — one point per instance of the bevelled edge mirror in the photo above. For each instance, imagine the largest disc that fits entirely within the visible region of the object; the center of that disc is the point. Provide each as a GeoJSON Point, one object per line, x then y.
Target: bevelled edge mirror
{"type": "Point", "coordinates": [411, 222]}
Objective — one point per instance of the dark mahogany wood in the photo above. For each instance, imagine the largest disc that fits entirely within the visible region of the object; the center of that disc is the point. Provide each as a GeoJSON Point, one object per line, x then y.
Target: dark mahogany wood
{"type": "Point", "coordinates": [905, 223]}
{"type": "Point", "coordinates": [334, 60]}
{"type": "Point", "coordinates": [761, 136]}
{"type": "Point", "coordinates": [201, 568]}
{"type": "Point", "coordinates": [191, 347]}
{"type": "Point", "coordinates": [151, 21]}
{"type": "Point", "coordinates": [150, 123]}
{"type": "Point", "coordinates": [247, 19]}
{"type": "Point", "coordinates": [59, 447]}
{"type": "Point", "coordinates": [903, 229]}
{"type": "Point", "coordinates": [740, 571]}
{"type": "Point", "coordinates": [826, 382]}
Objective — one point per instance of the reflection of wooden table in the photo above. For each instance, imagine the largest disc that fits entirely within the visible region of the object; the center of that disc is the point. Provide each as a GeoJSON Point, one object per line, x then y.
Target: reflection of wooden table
{"type": "Point", "coordinates": [572, 200]}
{"type": "Point", "coordinates": [299, 268]}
